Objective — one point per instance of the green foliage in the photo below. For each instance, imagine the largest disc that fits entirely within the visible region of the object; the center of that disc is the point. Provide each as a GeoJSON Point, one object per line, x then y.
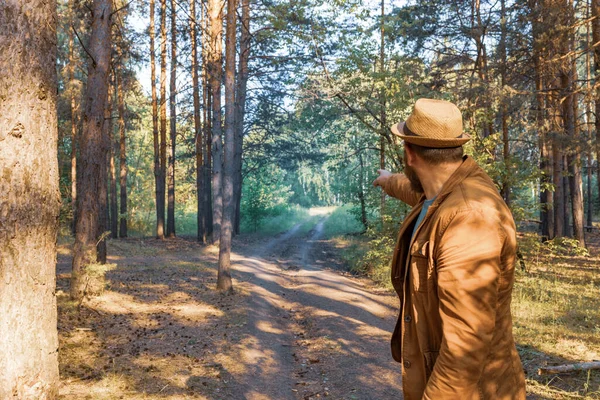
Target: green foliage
{"type": "Point", "coordinates": [532, 246]}
{"type": "Point", "coordinates": [566, 246]}
{"type": "Point", "coordinates": [342, 221]}
{"type": "Point", "coordinates": [263, 194]}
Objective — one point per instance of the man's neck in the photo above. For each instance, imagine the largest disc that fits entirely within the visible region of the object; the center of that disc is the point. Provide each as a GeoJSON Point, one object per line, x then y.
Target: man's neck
{"type": "Point", "coordinates": [433, 178]}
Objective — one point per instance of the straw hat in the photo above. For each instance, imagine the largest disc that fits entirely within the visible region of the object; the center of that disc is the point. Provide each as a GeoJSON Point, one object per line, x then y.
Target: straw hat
{"type": "Point", "coordinates": [433, 123]}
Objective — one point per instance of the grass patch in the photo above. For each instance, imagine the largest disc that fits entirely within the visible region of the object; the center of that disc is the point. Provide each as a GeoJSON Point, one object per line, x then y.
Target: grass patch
{"type": "Point", "coordinates": [281, 222]}
{"type": "Point", "coordinates": [557, 316]}
{"type": "Point", "coordinates": [341, 222]}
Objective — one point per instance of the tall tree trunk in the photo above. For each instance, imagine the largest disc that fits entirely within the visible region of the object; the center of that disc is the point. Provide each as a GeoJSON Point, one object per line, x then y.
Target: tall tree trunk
{"type": "Point", "coordinates": [215, 65]}
{"type": "Point", "coordinates": [596, 39]}
{"type": "Point", "coordinates": [207, 127]}
{"type": "Point", "coordinates": [122, 159]}
{"type": "Point", "coordinates": [570, 113]}
{"type": "Point", "coordinates": [544, 142]}
{"type": "Point", "coordinates": [93, 148]}
{"type": "Point", "coordinates": [160, 210]}
{"type": "Point", "coordinates": [113, 150]}
{"type": "Point", "coordinates": [240, 98]}
{"type": "Point", "coordinates": [588, 117]}
{"type": "Point", "coordinates": [201, 216]}
{"type": "Point", "coordinates": [29, 200]}
{"type": "Point", "coordinates": [505, 190]}
{"type": "Point", "coordinates": [160, 200]}
{"type": "Point", "coordinates": [557, 180]}
{"type": "Point", "coordinates": [103, 194]}
{"type": "Point", "coordinates": [74, 114]}
{"type": "Point", "coordinates": [173, 125]}
{"type": "Point", "coordinates": [224, 275]}
{"type": "Point", "coordinates": [382, 101]}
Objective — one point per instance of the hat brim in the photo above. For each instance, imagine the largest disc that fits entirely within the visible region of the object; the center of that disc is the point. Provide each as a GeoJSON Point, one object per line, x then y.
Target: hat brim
{"type": "Point", "coordinates": [398, 130]}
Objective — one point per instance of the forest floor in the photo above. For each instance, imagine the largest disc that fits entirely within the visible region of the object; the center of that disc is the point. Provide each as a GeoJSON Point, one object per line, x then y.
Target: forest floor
{"type": "Point", "coordinates": [298, 326]}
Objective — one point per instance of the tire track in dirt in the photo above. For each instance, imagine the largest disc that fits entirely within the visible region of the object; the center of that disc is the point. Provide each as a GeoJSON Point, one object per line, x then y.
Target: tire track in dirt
{"type": "Point", "coordinates": [313, 332]}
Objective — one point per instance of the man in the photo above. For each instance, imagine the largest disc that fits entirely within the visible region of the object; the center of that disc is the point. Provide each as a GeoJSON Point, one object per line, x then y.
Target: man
{"type": "Point", "coordinates": [453, 267]}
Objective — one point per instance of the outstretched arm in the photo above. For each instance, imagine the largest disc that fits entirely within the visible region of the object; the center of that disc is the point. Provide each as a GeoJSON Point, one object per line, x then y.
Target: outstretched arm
{"type": "Point", "coordinates": [398, 186]}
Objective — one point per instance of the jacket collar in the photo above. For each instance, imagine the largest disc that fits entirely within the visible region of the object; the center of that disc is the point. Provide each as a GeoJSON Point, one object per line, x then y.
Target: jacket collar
{"type": "Point", "coordinates": [465, 169]}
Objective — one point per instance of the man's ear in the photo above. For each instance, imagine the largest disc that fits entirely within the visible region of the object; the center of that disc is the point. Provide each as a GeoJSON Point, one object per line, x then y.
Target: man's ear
{"type": "Point", "coordinates": [409, 155]}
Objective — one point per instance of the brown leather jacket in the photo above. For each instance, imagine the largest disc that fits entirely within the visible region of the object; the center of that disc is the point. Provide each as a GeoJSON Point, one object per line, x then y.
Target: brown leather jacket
{"type": "Point", "coordinates": [455, 279]}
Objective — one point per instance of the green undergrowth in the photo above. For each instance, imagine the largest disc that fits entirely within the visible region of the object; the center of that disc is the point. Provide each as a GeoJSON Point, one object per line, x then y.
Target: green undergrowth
{"type": "Point", "coordinates": [281, 220]}
{"type": "Point", "coordinates": [341, 222]}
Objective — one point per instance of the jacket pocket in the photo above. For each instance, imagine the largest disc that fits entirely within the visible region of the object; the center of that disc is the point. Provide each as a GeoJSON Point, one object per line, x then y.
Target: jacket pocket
{"type": "Point", "coordinates": [419, 265]}
{"type": "Point", "coordinates": [430, 358]}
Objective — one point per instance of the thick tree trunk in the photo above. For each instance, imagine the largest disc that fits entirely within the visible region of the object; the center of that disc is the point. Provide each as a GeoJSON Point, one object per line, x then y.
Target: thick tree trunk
{"type": "Point", "coordinates": [29, 200]}
{"type": "Point", "coordinates": [122, 159]}
{"type": "Point", "coordinates": [240, 98]}
{"type": "Point", "coordinates": [93, 148]}
{"type": "Point", "coordinates": [224, 274]}
{"type": "Point", "coordinates": [173, 125]}
{"type": "Point", "coordinates": [215, 65]}
{"type": "Point", "coordinates": [201, 216]}
{"type": "Point", "coordinates": [162, 173]}
{"type": "Point", "coordinates": [160, 211]}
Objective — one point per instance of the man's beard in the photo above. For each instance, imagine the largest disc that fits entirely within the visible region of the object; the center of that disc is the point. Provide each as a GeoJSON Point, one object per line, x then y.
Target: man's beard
{"type": "Point", "coordinates": [415, 183]}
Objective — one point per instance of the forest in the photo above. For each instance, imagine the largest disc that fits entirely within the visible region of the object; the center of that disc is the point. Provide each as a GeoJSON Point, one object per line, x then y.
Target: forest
{"type": "Point", "coordinates": [186, 198]}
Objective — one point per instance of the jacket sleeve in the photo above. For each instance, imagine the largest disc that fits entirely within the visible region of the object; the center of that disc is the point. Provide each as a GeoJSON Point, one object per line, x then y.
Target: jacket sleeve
{"type": "Point", "coordinates": [398, 186]}
{"type": "Point", "coordinates": [468, 270]}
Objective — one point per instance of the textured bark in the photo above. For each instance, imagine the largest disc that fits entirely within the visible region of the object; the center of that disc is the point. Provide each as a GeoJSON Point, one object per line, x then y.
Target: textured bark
{"type": "Point", "coordinates": [29, 200]}
{"type": "Point", "coordinates": [382, 101]}
{"type": "Point", "coordinates": [557, 180]}
{"type": "Point", "coordinates": [207, 127]}
{"type": "Point", "coordinates": [215, 66]}
{"type": "Point", "coordinates": [224, 274]}
{"type": "Point", "coordinates": [74, 115]}
{"type": "Point", "coordinates": [596, 39]}
{"type": "Point", "coordinates": [160, 210]}
{"type": "Point", "coordinates": [122, 160]}
{"type": "Point", "coordinates": [113, 150]}
{"type": "Point", "coordinates": [160, 196]}
{"type": "Point", "coordinates": [201, 196]}
{"type": "Point", "coordinates": [240, 99]}
{"type": "Point", "coordinates": [570, 112]}
{"type": "Point", "coordinates": [506, 189]}
{"type": "Point", "coordinates": [574, 168]}
{"type": "Point", "coordinates": [173, 125]}
{"type": "Point", "coordinates": [93, 151]}
{"type": "Point", "coordinates": [544, 142]}
{"type": "Point", "coordinates": [103, 194]}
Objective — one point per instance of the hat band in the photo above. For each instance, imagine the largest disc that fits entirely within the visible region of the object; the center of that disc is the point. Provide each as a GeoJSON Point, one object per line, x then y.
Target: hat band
{"type": "Point", "coordinates": [408, 132]}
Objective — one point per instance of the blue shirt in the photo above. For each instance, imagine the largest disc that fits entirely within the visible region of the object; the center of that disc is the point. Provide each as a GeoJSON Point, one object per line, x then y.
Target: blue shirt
{"type": "Point", "coordinates": [426, 205]}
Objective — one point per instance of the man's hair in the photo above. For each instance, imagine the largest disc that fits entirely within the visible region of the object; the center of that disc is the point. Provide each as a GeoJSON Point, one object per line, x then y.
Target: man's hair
{"type": "Point", "coordinates": [436, 156]}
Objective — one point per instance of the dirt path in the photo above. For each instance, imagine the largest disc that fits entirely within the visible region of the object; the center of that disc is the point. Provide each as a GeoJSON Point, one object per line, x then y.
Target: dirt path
{"type": "Point", "coordinates": [317, 332]}
{"type": "Point", "coordinates": [297, 327]}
